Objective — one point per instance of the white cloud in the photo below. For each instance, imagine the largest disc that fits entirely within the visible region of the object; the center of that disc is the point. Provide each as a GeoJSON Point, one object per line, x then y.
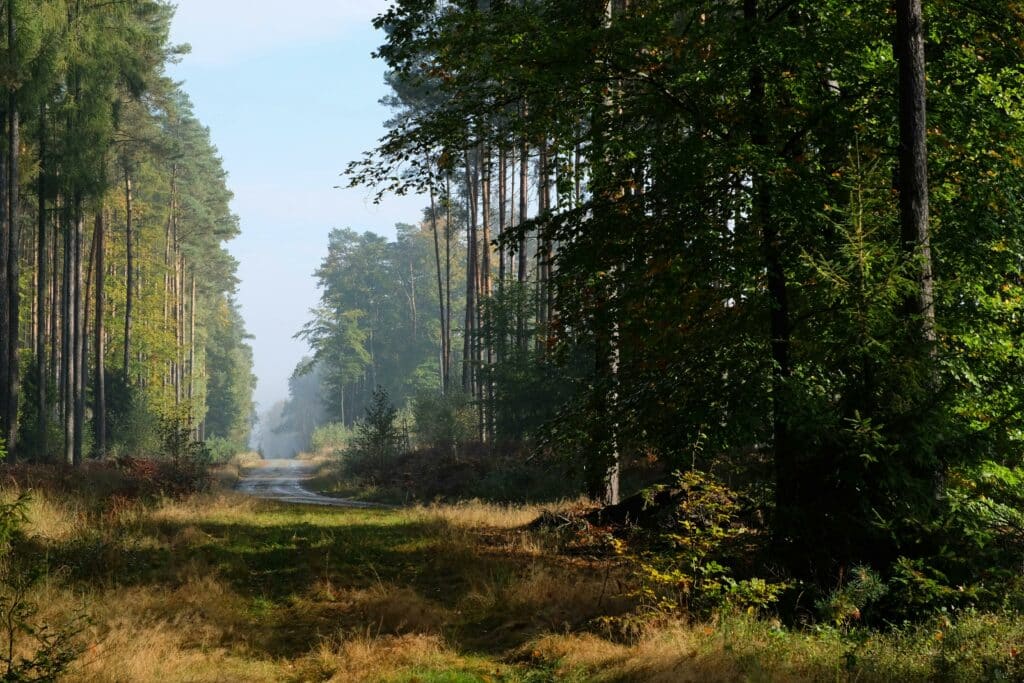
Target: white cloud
{"type": "Point", "coordinates": [226, 31]}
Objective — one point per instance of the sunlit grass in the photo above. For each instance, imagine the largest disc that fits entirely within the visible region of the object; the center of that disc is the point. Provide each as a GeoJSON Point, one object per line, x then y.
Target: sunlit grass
{"type": "Point", "coordinates": [223, 587]}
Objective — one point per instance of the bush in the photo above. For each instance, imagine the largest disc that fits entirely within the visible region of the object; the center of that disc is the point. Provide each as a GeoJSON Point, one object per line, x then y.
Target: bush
{"type": "Point", "coordinates": [134, 428]}
{"type": "Point", "coordinates": [445, 423]}
{"type": "Point", "coordinates": [55, 648]}
{"type": "Point", "coordinates": [376, 441]}
{"type": "Point", "coordinates": [687, 568]}
{"type": "Point", "coordinates": [222, 450]}
{"type": "Point", "coordinates": [331, 438]}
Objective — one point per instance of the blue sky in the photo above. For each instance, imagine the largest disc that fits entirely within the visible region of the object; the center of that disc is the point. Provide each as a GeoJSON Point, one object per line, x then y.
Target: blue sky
{"type": "Point", "coordinates": [291, 94]}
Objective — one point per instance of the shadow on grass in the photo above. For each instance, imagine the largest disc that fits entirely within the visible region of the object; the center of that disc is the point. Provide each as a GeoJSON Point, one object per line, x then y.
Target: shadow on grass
{"type": "Point", "coordinates": [298, 575]}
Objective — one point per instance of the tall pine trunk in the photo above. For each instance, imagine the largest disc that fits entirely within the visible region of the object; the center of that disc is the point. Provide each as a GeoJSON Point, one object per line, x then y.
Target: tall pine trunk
{"type": "Point", "coordinates": [100, 395]}
{"type": "Point", "coordinates": [42, 292]}
{"type": "Point", "coordinates": [440, 293]}
{"type": "Point", "coordinates": [80, 338]}
{"type": "Point", "coordinates": [13, 275]}
{"type": "Point", "coordinates": [130, 277]}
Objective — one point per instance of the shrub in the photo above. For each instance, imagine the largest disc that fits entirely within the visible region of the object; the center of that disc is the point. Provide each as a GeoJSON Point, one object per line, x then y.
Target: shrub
{"type": "Point", "coordinates": [134, 428]}
{"type": "Point", "coordinates": [222, 450]}
{"type": "Point", "coordinates": [331, 438]}
{"type": "Point", "coordinates": [849, 603]}
{"type": "Point", "coordinates": [376, 441]}
{"type": "Point", "coordinates": [55, 648]}
{"type": "Point", "coordinates": [444, 423]}
{"type": "Point", "coordinates": [686, 569]}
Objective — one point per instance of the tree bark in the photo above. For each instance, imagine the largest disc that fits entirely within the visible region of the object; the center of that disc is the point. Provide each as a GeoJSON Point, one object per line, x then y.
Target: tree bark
{"type": "Point", "coordinates": [100, 396]}
{"type": "Point", "coordinates": [130, 278]}
{"type": "Point", "coordinates": [469, 343]}
{"type": "Point", "coordinates": [81, 340]}
{"type": "Point", "coordinates": [502, 208]}
{"type": "Point", "coordinates": [524, 208]}
{"type": "Point", "coordinates": [42, 291]}
{"type": "Point", "coordinates": [13, 274]}
{"type": "Point", "coordinates": [67, 341]}
{"type": "Point", "coordinates": [440, 293]}
{"type": "Point", "coordinates": [449, 360]}
{"type": "Point", "coordinates": [913, 161]}
{"type": "Point", "coordinates": [6, 335]}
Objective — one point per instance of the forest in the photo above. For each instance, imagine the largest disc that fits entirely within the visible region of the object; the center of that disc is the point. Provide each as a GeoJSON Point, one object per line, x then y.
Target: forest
{"type": "Point", "coordinates": [696, 238]}
{"type": "Point", "coordinates": [703, 360]}
{"type": "Point", "coordinates": [120, 332]}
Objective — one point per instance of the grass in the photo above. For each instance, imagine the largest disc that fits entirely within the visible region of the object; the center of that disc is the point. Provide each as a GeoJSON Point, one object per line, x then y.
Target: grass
{"type": "Point", "coordinates": [220, 587]}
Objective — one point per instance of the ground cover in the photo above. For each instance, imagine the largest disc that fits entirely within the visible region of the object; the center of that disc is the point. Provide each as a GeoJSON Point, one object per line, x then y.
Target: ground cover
{"type": "Point", "coordinates": [214, 586]}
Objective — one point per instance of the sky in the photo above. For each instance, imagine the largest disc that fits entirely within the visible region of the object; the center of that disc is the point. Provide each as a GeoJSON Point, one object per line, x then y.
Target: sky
{"type": "Point", "coordinates": [291, 95]}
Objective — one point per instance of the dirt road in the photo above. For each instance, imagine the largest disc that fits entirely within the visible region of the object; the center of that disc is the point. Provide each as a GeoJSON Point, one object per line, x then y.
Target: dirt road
{"type": "Point", "coordinates": [282, 480]}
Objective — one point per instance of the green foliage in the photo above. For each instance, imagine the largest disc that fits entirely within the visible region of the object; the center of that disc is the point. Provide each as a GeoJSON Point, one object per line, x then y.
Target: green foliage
{"type": "Point", "coordinates": [133, 424]}
{"type": "Point", "coordinates": [370, 328]}
{"type": "Point", "coordinates": [377, 440]}
{"type": "Point", "coordinates": [847, 604]}
{"type": "Point", "coordinates": [222, 450]}
{"type": "Point", "coordinates": [53, 649]}
{"type": "Point", "coordinates": [688, 570]}
{"type": "Point", "coordinates": [13, 516]}
{"type": "Point", "coordinates": [332, 438]}
{"type": "Point", "coordinates": [445, 422]}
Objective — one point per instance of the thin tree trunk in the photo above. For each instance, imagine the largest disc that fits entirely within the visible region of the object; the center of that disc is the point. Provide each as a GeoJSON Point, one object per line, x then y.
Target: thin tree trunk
{"type": "Point", "coordinates": [81, 340]}
{"type": "Point", "coordinates": [788, 488]}
{"type": "Point", "coordinates": [543, 205]}
{"type": "Point", "coordinates": [100, 396]}
{"type": "Point", "coordinates": [440, 293]}
{"type": "Point", "coordinates": [192, 355]}
{"type": "Point", "coordinates": [67, 357]}
{"type": "Point", "coordinates": [913, 160]}
{"type": "Point", "coordinates": [502, 217]}
{"type": "Point", "coordinates": [524, 208]}
{"type": "Point", "coordinates": [486, 285]}
{"type": "Point", "coordinates": [13, 274]}
{"type": "Point", "coordinates": [471, 285]}
{"type": "Point", "coordinates": [486, 350]}
{"type": "Point", "coordinates": [42, 291]}
{"type": "Point", "coordinates": [130, 273]}
{"type": "Point", "coordinates": [449, 360]}
{"type": "Point", "coordinates": [6, 338]}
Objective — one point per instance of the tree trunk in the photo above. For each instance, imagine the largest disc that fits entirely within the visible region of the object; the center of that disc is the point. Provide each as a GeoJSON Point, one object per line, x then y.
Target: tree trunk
{"type": "Point", "coordinates": [524, 208]}
{"type": "Point", "coordinates": [543, 205]}
{"type": "Point", "coordinates": [42, 291]}
{"type": "Point", "coordinates": [440, 293]}
{"type": "Point", "coordinates": [192, 355]}
{"type": "Point", "coordinates": [449, 360]}
{"type": "Point", "coordinates": [67, 341]}
{"type": "Point", "coordinates": [80, 341]}
{"type": "Point", "coordinates": [788, 488]}
{"type": "Point", "coordinates": [469, 343]}
{"type": "Point", "coordinates": [502, 207]}
{"type": "Point", "coordinates": [5, 297]}
{"type": "Point", "coordinates": [13, 274]}
{"type": "Point", "coordinates": [130, 276]}
{"type": "Point", "coordinates": [913, 161]}
{"type": "Point", "coordinates": [100, 397]}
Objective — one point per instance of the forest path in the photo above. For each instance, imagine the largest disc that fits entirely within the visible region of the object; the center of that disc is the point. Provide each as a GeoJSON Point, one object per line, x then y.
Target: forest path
{"type": "Point", "coordinates": [281, 480]}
